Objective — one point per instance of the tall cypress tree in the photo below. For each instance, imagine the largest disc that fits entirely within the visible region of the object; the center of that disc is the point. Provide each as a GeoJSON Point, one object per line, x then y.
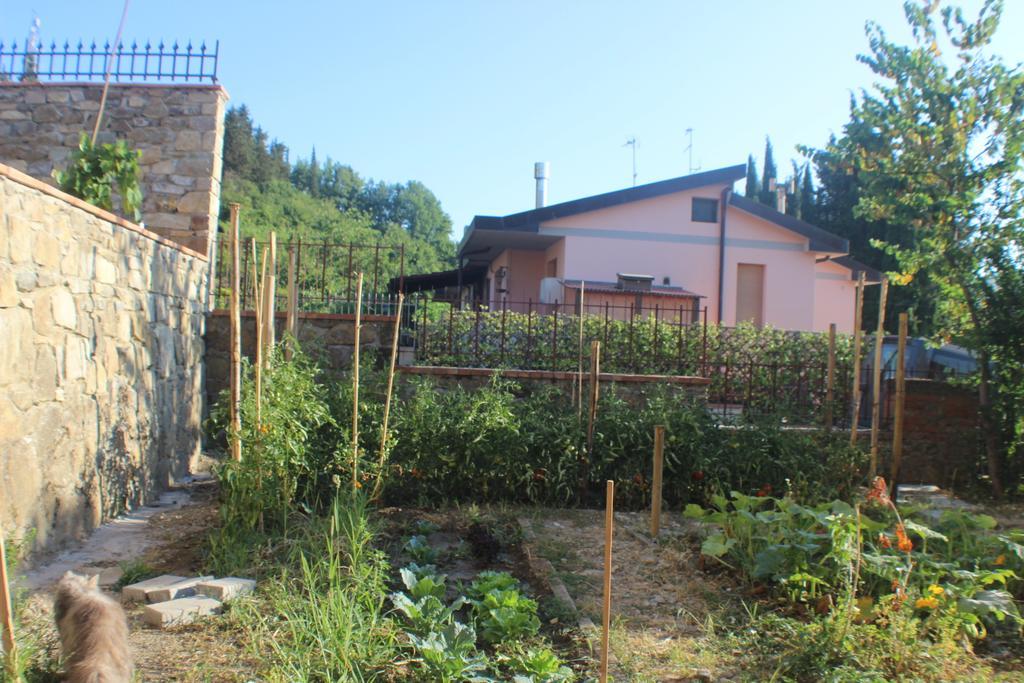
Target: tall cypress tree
{"type": "Point", "coordinates": [769, 174]}
{"type": "Point", "coordinates": [314, 175]}
{"type": "Point", "coordinates": [807, 203]}
{"type": "Point", "coordinates": [753, 187]}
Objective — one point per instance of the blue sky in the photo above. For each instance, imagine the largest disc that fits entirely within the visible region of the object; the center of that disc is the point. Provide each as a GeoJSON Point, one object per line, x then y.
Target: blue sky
{"type": "Point", "coordinates": [465, 96]}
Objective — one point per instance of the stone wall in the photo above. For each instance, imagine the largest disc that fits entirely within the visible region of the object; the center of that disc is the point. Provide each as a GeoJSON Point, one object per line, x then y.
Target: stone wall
{"type": "Point", "coordinates": [178, 128]}
{"type": "Point", "coordinates": [101, 375]}
{"type": "Point", "coordinates": [328, 337]}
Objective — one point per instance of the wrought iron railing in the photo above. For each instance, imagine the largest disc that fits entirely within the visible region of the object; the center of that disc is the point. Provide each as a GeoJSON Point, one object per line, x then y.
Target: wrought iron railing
{"type": "Point", "coordinates": [134, 63]}
{"type": "Point", "coordinates": [325, 274]}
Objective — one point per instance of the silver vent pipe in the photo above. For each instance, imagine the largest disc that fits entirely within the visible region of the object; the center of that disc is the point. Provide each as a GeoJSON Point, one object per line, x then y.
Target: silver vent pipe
{"type": "Point", "coordinates": [540, 173]}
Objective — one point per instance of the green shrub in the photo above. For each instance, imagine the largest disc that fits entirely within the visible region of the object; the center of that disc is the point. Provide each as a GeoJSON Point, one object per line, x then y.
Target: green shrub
{"type": "Point", "coordinates": [94, 170]}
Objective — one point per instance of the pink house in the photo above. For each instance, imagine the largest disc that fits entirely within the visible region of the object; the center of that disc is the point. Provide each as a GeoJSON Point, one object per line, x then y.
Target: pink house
{"type": "Point", "coordinates": [688, 246]}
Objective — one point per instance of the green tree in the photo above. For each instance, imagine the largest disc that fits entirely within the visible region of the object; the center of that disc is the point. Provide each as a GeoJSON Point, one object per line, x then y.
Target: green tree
{"type": "Point", "coordinates": [752, 187]}
{"type": "Point", "coordinates": [806, 194]}
{"type": "Point", "coordinates": [937, 147]}
{"type": "Point", "coordinates": [768, 176]}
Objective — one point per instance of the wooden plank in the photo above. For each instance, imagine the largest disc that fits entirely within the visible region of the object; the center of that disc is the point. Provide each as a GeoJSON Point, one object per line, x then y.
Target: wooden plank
{"type": "Point", "coordinates": [291, 321]}
{"type": "Point", "coordinates": [876, 383]}
{"type": "Point", "coordinates": [270, 301]}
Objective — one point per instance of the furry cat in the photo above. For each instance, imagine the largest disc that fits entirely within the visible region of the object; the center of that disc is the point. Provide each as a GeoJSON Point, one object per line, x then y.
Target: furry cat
{"type": "Point", "coordinates": [93, 632]}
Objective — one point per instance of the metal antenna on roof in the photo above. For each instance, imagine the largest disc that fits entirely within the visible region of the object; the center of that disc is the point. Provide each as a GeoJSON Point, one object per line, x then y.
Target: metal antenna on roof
{"type": "Point", "coordinates": [632, 143]}
{"type": "Point", "coordinates": [689, 148]}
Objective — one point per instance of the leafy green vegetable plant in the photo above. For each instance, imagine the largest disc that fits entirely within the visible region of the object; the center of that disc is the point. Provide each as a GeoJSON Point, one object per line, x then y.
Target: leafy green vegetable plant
{"type": "Point", "coordinates": [506, 615]}
{"type": "Point", "coordinates": [420, 550]}
{"type": "Point", "coordinates": [95, 170]}
{"type": "Point", "coordinates": [450, 655]}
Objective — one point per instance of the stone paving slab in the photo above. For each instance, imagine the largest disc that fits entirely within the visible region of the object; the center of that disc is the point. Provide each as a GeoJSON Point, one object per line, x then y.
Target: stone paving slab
{"type": "Point", "coordinates": [181, 611]}
{"type": "Point", "coordinates": [182, 589]}
{"type": "Point", "coordinates": [226, 589]}
{"type": "Point", "coordinates": [137, 592]}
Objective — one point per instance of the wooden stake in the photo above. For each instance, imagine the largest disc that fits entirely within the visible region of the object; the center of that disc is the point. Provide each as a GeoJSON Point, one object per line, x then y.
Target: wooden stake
{"type": "Point", "coordinates": [270, 301]}
{"type": "Point", "coordinates": [659, 453]}
{"type": "Point", "coordinates": [858, 315]}
{"type": "Point", "coordinates": [257, 366]}
{"type": "Point", "coordinates": [291, 322]}
{"type": "Point", "coordinates": [901, 393]}
{"type": "Point", "coordinates": [606, 608]}
{"type": "Point", "coordinates": [579, 368]}
{"type": "Point", "coordinates": [387, 400]}
{"type": "Point", "coordinates": [236, 338]}
{"type": "Point", "coordinates": [595, 390]}
{"type": "Point", "coordinates": [830, 382]}
{"type": "Point", "coordinates": [876, 384]}
{"type": "Point", "coordinates": [7, 615]}
{"type": "Point", "coordinates": [355, 386]}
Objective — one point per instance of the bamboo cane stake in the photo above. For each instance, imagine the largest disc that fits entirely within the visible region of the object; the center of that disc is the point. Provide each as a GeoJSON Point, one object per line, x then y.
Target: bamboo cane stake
{"type": "Point", "coordinates": [595, 389]}
{"type": "Point", "coordinates": [606, 608]}
{"type": "Point", "coordinates": [579, 368]}
{"type": "Point", "coordinates": [236, 339]}
{"type": "Point", "coordinates": [659, 456]}
{"type": "Point", "coordinates": [257, 287]}
{"type": "Point", "coordinates": [387, 400]}
{"type": "Point", "coordinates": [355, 386]}
{"type": "Point", "coordinates": [876, 388]}
{"type": "Point", "coordinates": [830, 382]}
{"type": "Point", "coordinates": [270, 301]}
{"type": "Point", "coordinates": [858, 314]}
{"type": "Point", "coordinates": [291, 322]}
{"type": "Point", "coordinates": [7, 615]}
{"type": "Point", "coordinates": [901, 394]}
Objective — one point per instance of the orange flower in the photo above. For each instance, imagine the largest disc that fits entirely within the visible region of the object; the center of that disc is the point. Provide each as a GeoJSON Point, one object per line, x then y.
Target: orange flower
{"type": "Point", "coordinates": [879, 492]}
{"type": "Point", "coordinates": [1000, 560]}
{"type": "Point", "coordinates": [926, 603]}
{"type": "Point", "coordinates": [884, 541]}
{"type": "Point", "coordinates": [903, 542]}
{"type": "Point", "coordinates": [359, 485]}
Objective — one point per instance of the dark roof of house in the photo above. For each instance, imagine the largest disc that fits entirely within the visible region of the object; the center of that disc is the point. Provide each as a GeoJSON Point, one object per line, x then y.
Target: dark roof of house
{"type": "Point", "coordinates": [529, 221]}
{"type": "Point", "coordinates": [856, 268]}
{"type": "Point", "coordinates": [613, 288]}
{"type": "Point", "coordinates": [819, 240]}
{"type": "Point", "coordinates": [430, 281]}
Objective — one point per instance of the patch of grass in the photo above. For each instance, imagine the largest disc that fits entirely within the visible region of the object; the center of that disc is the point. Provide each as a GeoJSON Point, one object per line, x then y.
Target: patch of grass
{"type": "Point", "coordinates": [133, 572]}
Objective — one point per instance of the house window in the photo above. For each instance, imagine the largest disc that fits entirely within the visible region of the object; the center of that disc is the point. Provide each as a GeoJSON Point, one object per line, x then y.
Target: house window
{"type": "Point", "coordinates": [705, 210]}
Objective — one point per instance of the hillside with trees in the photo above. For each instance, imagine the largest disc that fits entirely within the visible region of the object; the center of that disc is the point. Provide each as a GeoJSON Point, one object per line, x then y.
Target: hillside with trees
{"type": "Point", "coordinates": [328, 201]}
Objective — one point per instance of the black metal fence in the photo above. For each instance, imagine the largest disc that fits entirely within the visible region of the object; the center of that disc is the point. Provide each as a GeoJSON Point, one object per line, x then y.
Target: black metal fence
{"type": "Point", "coordinates": [326, 274]}
{"type": "Point", "coordinates": [134, 63]}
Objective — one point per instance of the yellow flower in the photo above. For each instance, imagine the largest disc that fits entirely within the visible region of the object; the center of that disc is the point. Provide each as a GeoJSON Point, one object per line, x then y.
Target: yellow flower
{"type": "Point", "coordinates": [1001, 560]}
{"type": "Point", "coordinates": [936, 590]}
{"type": "Point", "coordinates": [926, 603]}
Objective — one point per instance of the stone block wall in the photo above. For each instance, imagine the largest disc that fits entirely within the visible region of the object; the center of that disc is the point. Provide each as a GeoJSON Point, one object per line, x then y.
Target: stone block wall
{"type": "Point", "coordinates": [178, 128]}
{"type": "Point", "coordinates": [328, 337]}
{"type": "Point", "coordinates": [101, 350]}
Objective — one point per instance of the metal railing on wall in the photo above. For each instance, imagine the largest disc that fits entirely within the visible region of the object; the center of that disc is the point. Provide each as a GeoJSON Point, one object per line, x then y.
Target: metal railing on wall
{"type": "Point", "coordinates": [325, 274]}
{"type": "Point", "coordinates": [132, 63]}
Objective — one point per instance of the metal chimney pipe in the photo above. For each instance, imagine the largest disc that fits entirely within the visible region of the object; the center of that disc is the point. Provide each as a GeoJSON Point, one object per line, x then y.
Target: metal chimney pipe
{"type": "Point", "coordinates": [540, 173]}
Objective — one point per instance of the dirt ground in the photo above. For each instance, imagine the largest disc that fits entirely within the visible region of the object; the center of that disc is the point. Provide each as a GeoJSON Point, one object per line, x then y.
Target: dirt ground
{"type": "Point", "coordinates": [661, 603]}
{"type": "Point", "coordinates": [173, 544]}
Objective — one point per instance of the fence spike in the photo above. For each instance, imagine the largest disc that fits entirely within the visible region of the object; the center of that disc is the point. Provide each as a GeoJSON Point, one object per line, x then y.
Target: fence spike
{"type": "Point", "coordinates": [66, 46]}
{"type": "Point", "coordinates": [53, 45]}
{"type": "Point", "coordinates": [135, 46]}
{"type": "Point", "coordinates": [189, 47]}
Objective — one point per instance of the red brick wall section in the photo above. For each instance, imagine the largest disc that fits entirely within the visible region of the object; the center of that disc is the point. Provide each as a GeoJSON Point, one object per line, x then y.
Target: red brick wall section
{"type": "Point", "coordinates": [942, 440]}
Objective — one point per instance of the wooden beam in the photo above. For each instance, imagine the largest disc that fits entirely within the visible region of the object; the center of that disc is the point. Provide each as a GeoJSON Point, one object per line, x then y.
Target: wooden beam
{"type": "Point", "coordinates": [355, 385]}
{"type": "Point", "coordinates": [7, 616]}
{"type": "Point", "coordinates": [382, 457]}
{"type": "Point", "coordinates": [270, 300]}
{"type": "Point", "coordinates": [830, 380]}
{"type": "Point", "coordinates": [291, 321]}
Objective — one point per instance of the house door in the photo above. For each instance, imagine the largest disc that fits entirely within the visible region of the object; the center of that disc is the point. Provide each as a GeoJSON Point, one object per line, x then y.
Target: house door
{"type": "Point", "coordinates": [750, 293]}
